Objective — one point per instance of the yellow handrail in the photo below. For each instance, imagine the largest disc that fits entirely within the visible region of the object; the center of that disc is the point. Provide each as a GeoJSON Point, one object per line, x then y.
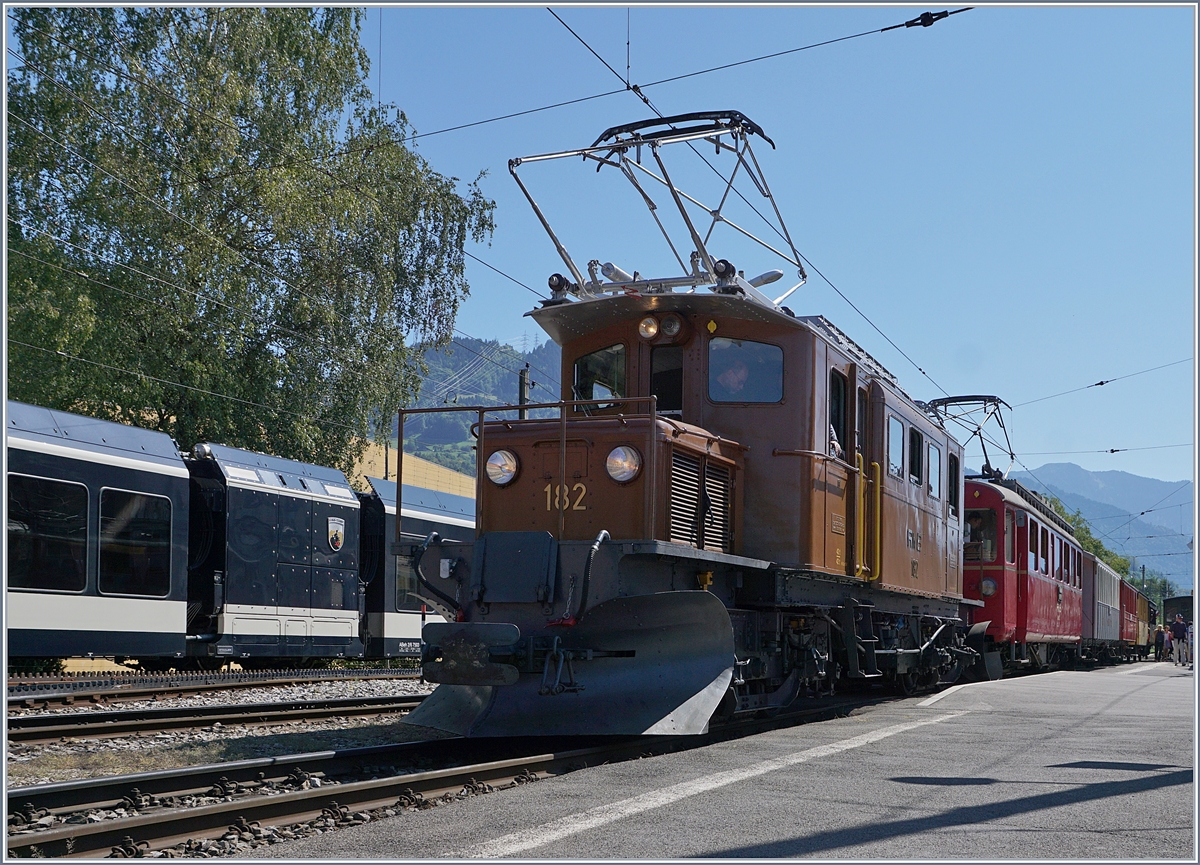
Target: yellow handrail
{"type": "Point", "coordinates": [860, 516]}
{"type": "Point", "coordinates": [877, 570]}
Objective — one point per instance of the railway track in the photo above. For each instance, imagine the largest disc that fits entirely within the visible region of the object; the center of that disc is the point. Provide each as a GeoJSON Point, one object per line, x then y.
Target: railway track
{"type": "Point", "coordinates": [37, 729]}
{"type": "Point", "coordinates": [235, 801]}
{"type": "Point", "coordinates": [48, 691]}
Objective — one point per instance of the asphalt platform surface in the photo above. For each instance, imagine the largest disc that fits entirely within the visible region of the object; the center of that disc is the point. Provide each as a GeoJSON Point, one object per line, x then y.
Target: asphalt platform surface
{"type": "Point", "coordinates": [1069, 765]}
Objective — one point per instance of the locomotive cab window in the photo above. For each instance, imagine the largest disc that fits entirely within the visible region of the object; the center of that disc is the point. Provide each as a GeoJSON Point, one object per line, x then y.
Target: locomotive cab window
{"type": "Point", "coordinates": [952, 484]}
{"type": "Point", "coordinates": [860, 421]}
{"type": "Point", "coordinates": [916, 443]}
{"type": "Point", "coordinates": [135, 544]}
{"type": "Point", "coordinates": [837, 414]}
{"type": "Point", "coordinates": [666, 378]}
{"type": "Point", "coordinates": [895, 446]}
{"type": "Point", "coordinates": [600, 374]}
{"type": "Point", "coordinates": [935, 471]}
{"type": "Point", "coordinates": [743, 371]}
{"type": "Point", "coordinates": [47, 534]}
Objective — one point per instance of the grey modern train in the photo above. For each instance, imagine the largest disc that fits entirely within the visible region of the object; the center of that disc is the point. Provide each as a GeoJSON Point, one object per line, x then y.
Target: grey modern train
{"type": "Point", "coordinates": [121, 546]}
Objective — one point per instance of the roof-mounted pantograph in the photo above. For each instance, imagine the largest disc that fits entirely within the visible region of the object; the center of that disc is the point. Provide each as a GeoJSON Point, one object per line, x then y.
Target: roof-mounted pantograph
{"type": "Point", "coordinates": [622, 148]}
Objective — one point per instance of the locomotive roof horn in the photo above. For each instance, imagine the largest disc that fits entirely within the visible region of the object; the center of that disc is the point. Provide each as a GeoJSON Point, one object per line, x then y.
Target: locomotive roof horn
{"type": "Point", "coordinates": [621, 147]}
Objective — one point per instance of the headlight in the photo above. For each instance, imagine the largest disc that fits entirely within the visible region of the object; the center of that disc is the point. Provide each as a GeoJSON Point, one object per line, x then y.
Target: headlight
{"type": "Point", "coordinates": [671, 325]}
{"type": "Point", "coordinates": [648, 327]}
{"type": "Point", "coordinates": [502, 467]}
{"type": "Point", "coordinates": [623, 464]}
{"type": "Point", "coordinates": [987, 588]}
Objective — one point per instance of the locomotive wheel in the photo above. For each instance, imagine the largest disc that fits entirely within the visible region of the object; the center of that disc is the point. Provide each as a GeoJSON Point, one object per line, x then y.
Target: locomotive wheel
{"type": "Point", "coordinates": [908, 683]}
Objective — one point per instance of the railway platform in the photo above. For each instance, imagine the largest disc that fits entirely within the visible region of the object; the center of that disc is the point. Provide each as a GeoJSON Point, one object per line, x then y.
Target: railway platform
{"type": "Point", "coordinates": [1088, 765]}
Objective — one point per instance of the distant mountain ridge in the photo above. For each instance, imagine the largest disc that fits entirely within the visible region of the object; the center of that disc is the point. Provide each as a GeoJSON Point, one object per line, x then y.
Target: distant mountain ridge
{"type": "Point", "coordinates": [1113, 503]}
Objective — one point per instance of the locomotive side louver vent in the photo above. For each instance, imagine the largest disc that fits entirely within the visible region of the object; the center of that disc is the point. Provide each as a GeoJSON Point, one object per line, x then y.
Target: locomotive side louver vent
{"type": "Point", "coordinates": [699, 513]}
{"type": "Point", "coordinates": [716, 520]}
{"type": "Point", "coordinates": [685, 499]}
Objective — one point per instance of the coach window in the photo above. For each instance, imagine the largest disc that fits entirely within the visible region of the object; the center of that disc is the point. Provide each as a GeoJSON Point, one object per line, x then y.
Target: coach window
{"type": "Point", "coordinates": [1044, 552]}
{"type": "Point", "coordinates": [916, 443]}
{"type": "Point", "coordinates": [895, 446]}
{"type": "Point", "coordinates": [1010, 537]}
{"type": "Point", "coordinates": [952, 484]}
{"type": "Point", "coordinates": [1032, 565]}
{"type": "Point", "coordinates": [135, 543]}
{"type": "Point", "coordinates": [600, 374]}
{"type": "Point", "coordinates": [47, 534]}
{"type": "Point", "coordinates": [406, 585]}
{"type": "Point", "coordinates": [935, 471]}
{"type": "Point", "coordinates": [740, 370]}
{"type": "Point", "coordinates": [838, 442]}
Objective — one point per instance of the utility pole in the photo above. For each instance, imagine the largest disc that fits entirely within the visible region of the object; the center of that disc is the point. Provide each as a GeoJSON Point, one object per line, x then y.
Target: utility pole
{"type": "Point", "coordinates": [523, 392]}
{"type": "Point", "coordinates": [1143, 579]}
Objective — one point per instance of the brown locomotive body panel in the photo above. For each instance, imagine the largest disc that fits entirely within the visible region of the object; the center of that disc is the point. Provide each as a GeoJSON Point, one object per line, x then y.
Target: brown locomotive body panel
{"type": "Point", "coordinates": [801, 507]}
{"type": "Point", "coordinates": [589, 499]}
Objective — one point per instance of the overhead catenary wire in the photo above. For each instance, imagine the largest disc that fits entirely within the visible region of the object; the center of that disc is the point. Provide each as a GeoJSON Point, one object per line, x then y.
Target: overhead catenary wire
{"type": "Point", "coordinates": [637, 91]}
{"type": "Point", "coordinates": [562, 104]}
{"type": "Point", "coordinates": [1103, 382]}
{"type": "Point", "coordinates": [1105, 451]}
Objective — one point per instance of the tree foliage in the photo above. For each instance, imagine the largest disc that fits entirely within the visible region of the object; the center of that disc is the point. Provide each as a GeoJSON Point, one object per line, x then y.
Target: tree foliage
{"type": "Point", "coordinates": [217, 230]}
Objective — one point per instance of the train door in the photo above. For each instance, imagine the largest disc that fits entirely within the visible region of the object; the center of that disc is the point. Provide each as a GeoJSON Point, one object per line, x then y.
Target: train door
{"type": "Point", "coordinates": [839, 531]}
{"type": "Point", "coordinates": [862, 459]}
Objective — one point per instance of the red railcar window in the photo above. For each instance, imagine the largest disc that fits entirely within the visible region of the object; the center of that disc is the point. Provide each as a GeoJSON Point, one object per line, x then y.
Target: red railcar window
{"type": "Point", "coordinates": [1033, 546]}
{"type": "Point", "coordinates": [1044, 551]}
{"type": "Point", "coordinates": [1010, 537]}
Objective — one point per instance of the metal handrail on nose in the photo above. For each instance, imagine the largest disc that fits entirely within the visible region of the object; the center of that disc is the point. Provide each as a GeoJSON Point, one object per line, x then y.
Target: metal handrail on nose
{"type": "Point", "coordinates": [562, 406]}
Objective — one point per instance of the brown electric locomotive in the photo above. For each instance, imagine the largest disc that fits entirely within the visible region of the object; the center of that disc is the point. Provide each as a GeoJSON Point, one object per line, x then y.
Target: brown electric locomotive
{"type": "Point", "coordinates": [731, 507]}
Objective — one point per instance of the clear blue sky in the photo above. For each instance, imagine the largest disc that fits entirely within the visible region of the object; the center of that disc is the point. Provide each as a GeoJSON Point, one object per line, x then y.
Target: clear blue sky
{"type": "Point", "coordinates": [1008, 194]}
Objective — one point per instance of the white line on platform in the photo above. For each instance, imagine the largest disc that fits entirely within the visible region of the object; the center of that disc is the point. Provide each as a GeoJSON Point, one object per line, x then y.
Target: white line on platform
{"type": "Point", "coordinates": [548, 833]}
{"type": "Point", "coordinates": [945, 693]}
{"type": "Point", "coordinates": [1136, 669]}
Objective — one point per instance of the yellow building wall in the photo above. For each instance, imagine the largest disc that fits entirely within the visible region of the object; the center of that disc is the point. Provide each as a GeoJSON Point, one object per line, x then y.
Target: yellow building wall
{"type": "Point", "coordinates": [417, 472]}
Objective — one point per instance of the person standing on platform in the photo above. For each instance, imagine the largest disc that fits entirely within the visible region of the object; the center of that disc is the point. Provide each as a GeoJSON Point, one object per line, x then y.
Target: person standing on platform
{"type": "Point", "coordinates": [1179, 639]}
{"type": "Point", "coordinates": [1158, 643]}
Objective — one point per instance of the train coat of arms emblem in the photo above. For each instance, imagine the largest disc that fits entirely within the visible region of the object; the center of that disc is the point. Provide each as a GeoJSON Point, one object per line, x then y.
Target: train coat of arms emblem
{"type": "Point", "coordinates": [336, 532]}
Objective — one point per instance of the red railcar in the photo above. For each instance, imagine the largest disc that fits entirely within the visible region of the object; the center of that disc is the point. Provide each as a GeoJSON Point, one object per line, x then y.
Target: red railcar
{"type": "Point", "coordinates": [1022, 561]}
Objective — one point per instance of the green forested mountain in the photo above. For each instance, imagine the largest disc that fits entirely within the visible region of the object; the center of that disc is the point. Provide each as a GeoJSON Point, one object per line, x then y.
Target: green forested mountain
{"type": "Point", "coordinates": [474, 372]}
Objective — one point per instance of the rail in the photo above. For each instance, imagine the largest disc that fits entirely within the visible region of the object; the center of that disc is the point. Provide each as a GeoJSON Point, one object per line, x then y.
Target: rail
{"type": "Point", "coordinates": [272, 791]}
{"type": "Point", "coordinates": [33, 729]}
